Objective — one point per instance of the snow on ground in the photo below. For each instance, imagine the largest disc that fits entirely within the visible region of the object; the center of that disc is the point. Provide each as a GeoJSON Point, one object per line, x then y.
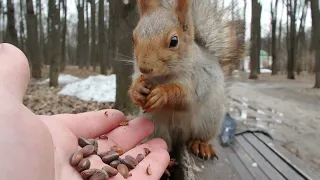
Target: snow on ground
{"type": "Point", "coordinates": [63, 79]}
{"type": "Point", "coordinates": [98, 88]}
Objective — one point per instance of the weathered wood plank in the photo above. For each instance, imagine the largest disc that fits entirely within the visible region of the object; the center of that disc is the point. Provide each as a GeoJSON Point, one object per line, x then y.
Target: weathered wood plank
{"type": "Point", "coordinates": [246, 159]}
{"type": "Point", "coordinates": [195, 168]}
{"type": "Point", "coordinates": [272, 158]}
{"type": "Point", "coordinates": [262, 163]}
{"type": "Point", "coordinates": [242, 171]}
{"type": "Point", "coordinates": [288, 157]}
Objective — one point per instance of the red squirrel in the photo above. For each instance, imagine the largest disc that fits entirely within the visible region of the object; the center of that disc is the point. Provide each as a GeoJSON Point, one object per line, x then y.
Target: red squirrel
{"type": "Point", "coordinates": [183, 52]}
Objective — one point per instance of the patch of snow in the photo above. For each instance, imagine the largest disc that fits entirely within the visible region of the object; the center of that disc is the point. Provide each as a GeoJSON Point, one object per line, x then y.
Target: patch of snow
{"type": "Point", "coordinates": [265, 71]}
{"type": "Point", "coordinates": [63, 79]}
{"type": "Point", "coordinates": [98, 88]}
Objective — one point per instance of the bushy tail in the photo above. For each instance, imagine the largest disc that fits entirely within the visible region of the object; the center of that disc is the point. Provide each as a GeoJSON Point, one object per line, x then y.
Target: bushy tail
{"type": "Point", "coordinates": [215, 31]}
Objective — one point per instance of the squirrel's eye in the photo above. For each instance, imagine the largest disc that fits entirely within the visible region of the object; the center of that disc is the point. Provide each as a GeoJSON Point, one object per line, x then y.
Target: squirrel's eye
{"type": "Point", "coordinates": [173, 42]}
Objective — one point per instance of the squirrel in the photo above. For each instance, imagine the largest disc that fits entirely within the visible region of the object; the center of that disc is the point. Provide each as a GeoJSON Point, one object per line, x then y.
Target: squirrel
{"type": "Point", "coordinates": [184, 53]}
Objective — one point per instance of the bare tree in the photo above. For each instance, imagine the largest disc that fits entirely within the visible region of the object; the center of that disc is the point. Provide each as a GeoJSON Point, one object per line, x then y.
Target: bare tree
{"type": "Point", "coordinates": [300, 41]}
{"type": "Point", "coordinates": [102, 39]}
{"type": "Point", "coordinates": [32, 40]}
{"type": "Point", "coordinates": [63, 34]}
{"type": "Point", "coordinates": [40, 31]}
{"type": "Point", "coordinates": [81, 34]}
{"type": "Point", "coordinates": [274, 10]}
{"type": "Point", "coordinates": [315, 14]}
{"type": "Point", "coordinates": [1, 15]}
{"type": "Point", "coordinates": [93, 52]}
{"type": "Point", "coordinates": [255, 48]}
{"type": "Point", "coordinates": [259, 12]}
{"type": "Point", "coordinates": [87, 37]}
{"type": "Point", "coordinates": [291, 11]}
{"type": "Point", "coordinates": [22, 35]}
{"type": "Point", "coordinates": [123, 18]}
{"type": "Point", "coordinates": [11, 33]}
{"type": "Point", "coordinates": [54, 42]}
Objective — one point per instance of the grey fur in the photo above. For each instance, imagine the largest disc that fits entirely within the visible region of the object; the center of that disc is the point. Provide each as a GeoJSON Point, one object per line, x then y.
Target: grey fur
{"type": "Point", "coordinates": [199, 72]}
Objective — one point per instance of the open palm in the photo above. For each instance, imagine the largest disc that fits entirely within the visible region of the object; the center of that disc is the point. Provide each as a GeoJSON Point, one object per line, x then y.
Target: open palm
{"type": "Point", "coordinates": [39, 147]}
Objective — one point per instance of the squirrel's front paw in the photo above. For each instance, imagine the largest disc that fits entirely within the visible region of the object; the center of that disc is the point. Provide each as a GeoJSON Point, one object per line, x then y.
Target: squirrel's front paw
{"type": "Point", "coordinates": [156, 99]}
{"type": "Point", "coordinates": [139, 91]}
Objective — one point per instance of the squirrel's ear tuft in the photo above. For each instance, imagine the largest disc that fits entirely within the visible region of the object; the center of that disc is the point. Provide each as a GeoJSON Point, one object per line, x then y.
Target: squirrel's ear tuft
{"type": "Point", "coordinates": [147, 5]}
{"type": "Point", "coordinates": [182, 9]}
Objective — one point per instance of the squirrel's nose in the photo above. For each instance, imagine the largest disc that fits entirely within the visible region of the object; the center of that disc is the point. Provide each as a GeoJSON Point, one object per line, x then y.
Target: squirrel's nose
{"type": "Point", "coordinates": [145, 70]}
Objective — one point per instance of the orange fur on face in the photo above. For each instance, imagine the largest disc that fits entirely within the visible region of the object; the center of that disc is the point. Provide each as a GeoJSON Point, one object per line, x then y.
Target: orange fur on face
{"type": "Point", "coordinates": [154, 54]}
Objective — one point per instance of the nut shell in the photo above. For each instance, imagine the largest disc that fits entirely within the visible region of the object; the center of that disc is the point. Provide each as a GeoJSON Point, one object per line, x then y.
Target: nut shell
{"type": "Point", "coordinates": [88, 150]}
{"type": "Point", "coordinates": [110, 170]}
{"type": "Point", "coordinates": [100, 175]}
{"type": "Point", "coordinates": [123, 170]}
{"type": "Point", "coordinates": [115, 163]}
{"type": "Point", "coordinates": [139, 158]}
{"type": "Point", "coordinates": [109, 158]}
{"type": "Point", "coordinates": [86, 174]}
{"type": "Point", "coordinates": [75, 158]}
{"type": "Point", "coordinates": [83, 165]}
{"type": "Point", "coordinates": [82, 142]}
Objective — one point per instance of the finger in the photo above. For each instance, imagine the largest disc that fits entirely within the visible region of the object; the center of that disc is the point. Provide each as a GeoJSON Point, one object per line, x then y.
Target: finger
{"type": "Point", "coordinates": [128, 136]}
{"type": "Point", "coordinates": [158, 160]}
{"type": "Point", "coordinates": [154, 146]}
{"type": "Point", "coordinates": [14, 70]}
{"type": "Point", "coordinates": [91, 124]}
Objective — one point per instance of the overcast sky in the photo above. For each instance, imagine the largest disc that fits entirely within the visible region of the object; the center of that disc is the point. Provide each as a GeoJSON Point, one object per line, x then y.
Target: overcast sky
{"type": "Point", "coordinates": [265, 16]}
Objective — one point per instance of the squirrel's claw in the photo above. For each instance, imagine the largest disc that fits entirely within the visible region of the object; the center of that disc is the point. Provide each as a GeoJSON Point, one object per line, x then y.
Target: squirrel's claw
{"type": "Point", "coordinates": [202, 149]}
{"type": "Point", "coordinates": [155, 100]}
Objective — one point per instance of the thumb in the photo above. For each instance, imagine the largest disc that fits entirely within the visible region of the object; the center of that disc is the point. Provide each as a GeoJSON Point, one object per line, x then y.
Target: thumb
{"type": "Point", "coordinates": [14, 70]}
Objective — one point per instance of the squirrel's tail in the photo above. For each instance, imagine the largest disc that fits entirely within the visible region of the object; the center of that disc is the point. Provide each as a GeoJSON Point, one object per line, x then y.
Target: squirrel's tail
{"type": "Point", "coordinates": [215, 31]}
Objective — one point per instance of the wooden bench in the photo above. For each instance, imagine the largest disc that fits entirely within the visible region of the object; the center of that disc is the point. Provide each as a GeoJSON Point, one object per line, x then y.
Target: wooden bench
{"type": "Point", "coordinates": [251, 156]}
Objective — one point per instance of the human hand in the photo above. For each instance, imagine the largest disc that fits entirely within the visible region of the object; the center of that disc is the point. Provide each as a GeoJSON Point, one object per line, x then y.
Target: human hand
{"type": "Point", "coordinates": [39, 147]}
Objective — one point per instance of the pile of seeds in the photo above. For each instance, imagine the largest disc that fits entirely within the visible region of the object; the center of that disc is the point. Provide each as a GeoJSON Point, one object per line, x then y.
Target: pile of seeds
{"type": "Point", "coordinates": [113, 163]}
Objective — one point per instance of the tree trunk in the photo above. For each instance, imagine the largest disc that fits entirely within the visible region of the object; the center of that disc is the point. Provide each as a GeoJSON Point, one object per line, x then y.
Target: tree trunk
{"type": "Point", "coordinates": [1, 27]}
{"type": "Point", "coordinates": [63, 42]}
{"type": "Point", "coordinates": [273, 37]}
{"type": "Point", "coordinates": [41, 32]}
{"type": "Point", "coordinates": [81, 34]}
{"type": "Point", "coordinates": [32, 40]}
{"type": "Point", "coordinates": [87, 38]}
{"type": "Point", "coordinates": [54, 39]}
{"type": "Point", "coordinates": [258, 24]}
{"type": "Point", "coordinates": [12, 36]}
{"type": "Point", "coordinates": [123, 19]}
{"type": "Point", "coordinates": [22, 35]}
{"type": "Point", "coordinates": [292, 41]}
{"type": "Point", "coordinates": [254, 50]}
{"type": "Point", "coordinates": [300, 40]}
{"type": "Point", "coordinates": [93, 52]}
{"type": "Point", "coordinates": [315, 15]}
{"type": "Point", "coordinates": [102, 38]}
